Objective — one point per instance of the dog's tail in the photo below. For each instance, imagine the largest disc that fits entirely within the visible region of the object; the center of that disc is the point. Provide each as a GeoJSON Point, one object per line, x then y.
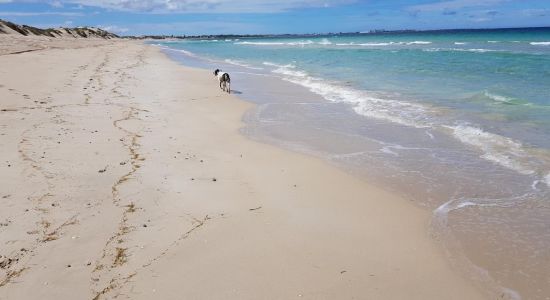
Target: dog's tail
{"type": "Point", "coordinates": [225, 77]}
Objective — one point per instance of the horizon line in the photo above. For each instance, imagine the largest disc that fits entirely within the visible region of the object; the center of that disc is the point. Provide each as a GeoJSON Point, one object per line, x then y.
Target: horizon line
{"type": "Point", "coordinates": [373, 31]}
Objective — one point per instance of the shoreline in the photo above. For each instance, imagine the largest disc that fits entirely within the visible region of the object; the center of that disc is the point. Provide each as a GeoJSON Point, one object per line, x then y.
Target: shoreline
{"type": "Point", "coordinates": [115, 173]}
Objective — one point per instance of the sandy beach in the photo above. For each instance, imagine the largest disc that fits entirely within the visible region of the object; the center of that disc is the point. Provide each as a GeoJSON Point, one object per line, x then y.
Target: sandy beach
{"type": "Point", "coordinates": [124, 175]}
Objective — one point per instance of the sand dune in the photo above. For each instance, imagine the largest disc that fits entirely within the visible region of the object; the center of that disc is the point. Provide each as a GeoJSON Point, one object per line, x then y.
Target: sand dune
{"type": "Point", "coordinates": [16, 39]}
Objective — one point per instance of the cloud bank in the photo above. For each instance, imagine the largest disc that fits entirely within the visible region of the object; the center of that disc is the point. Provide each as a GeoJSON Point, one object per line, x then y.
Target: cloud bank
{"type": "Point", "coordinates": [198, 6]}
{"type": "Point", "coordinates": [452, 5]}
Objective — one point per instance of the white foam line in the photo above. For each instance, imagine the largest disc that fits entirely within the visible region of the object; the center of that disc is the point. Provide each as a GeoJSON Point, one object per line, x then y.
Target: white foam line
{"type": "Point", "coordinates": [350, 155]}
{"type": "Point", "coordinates": [403, 113]}
{"type": "Point", "coordinates": [499, 98]}
{"type": "Point", "coordinates": [267, 63]}
{"type": "Point", "coordinates": [260, 43]}
{"type": "Point", "coordinates": [496, 148]}
{"type": "Point", "coordinates": [440, 222]}
{"type": "Point", "coordinates": [363, 103]}
{"type": "Point", "coordinates": [419, 43]}
{"type": "Point", "coordinates": [242, 64]}
{"type": "Point", "coordinates": [378, 44]}
{"type": "Point", "coordinates": [255, 74]}
{"type": "Point", "coordinates": [189, 53]}
{"type": "Point", "coordinates": [372, 44]}
{"type": "Point", "coordinates": [301, 43]}
{"type": "Point", "coordinates": [430, 134]}
{"type": "Point", "coordinates": [478, 50]}
{"type": "Point", "coordinates": [387, 150]}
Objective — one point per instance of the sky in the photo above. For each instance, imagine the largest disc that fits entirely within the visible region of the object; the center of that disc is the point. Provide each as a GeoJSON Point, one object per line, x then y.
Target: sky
{"type": "Point", "coordinates": [193, 17]}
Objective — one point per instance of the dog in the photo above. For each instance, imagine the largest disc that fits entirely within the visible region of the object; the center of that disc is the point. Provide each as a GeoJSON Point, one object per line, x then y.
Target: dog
{"type": "Point", "coordinates": [224, 79]}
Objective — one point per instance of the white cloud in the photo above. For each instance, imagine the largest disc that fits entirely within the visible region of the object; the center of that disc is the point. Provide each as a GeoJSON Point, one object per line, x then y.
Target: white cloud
{"type": "Point", "coordinates": [57, 4]}
{"type": "Point", "coordinates": [536, 12]}
{"type": "Point", "coordinates": [44, 13]}
{"type": "Point", "coordinates": [202, 6]}
{"type": "Point", "coordinates": [113, 28]}
{"type": "Point", "coordinates": [451, 5]}
{"type": "Point", "coordinates": [194, 27]}
{"type": "Point", "coordinates": [481, 19]}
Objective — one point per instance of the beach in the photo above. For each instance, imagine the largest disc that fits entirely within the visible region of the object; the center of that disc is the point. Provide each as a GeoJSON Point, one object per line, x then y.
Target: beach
{"type": "Point", "coordinates": [125, 175]}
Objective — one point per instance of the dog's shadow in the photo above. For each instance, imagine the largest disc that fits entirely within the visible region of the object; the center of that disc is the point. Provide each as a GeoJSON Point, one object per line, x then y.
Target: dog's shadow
{"type": "Point", "coordinates": [236, 92]}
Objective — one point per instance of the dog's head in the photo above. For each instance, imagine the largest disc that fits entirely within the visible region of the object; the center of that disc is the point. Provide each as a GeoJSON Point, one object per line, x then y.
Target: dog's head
{"type": "Point", "coordinates": [216, 72]}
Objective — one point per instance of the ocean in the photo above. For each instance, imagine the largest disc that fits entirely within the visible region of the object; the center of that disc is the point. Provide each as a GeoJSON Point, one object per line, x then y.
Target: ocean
{"type": "Point", "coordinates": [456, 121]}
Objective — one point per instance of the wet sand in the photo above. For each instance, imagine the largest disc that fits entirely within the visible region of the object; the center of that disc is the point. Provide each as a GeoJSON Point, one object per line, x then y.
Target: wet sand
{"type": "Point", "coordinates": [124, 175]}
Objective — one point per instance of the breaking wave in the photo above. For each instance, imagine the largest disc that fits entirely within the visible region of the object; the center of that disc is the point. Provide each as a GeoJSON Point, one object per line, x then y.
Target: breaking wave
{"type": "Point", "coordinates": [300, 43]}
{"type": "Point", "coordinates": [376, 44]}
{"type": "Point", "coordinates": [363, 102]}
{"type": "Point", "coordinates": [241, 64]}
{"type": "Point", "coordinates": [504, 99]}
{"type": "Point", "coordinates": [478, 50]}
{"type": "Point", "coordinates": [496, 148]}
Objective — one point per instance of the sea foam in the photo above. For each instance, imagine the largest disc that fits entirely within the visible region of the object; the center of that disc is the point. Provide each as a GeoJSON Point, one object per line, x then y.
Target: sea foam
{"type": "Point", "coordinates": [477, 50]}
{"type": "Point", "coordinates": [378, 44]}
{"type": "Point", "coordinates": [241, 64]}
{"type": "Point", "coordinates": [300, 43]}
{"type": "Point", "coordinates": [260, 43]}
{"type": "Point", "coordinates": [496, 148]}
{"type": "Point", "coordinates": [288, 69]}
{"type": "Point", "coordinates": [504, 99]}
{"type": "Point", "coordinates": [418, 43]}
{"type": "Point", "coordinates": [362, 102]}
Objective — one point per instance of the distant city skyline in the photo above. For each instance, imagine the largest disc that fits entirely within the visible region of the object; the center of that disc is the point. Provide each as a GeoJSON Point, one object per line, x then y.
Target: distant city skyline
{"type": "Point", "coordinates": [194, 17]}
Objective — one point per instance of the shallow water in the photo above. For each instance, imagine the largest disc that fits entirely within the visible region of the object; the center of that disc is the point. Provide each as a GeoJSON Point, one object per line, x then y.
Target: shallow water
{"type": "Point", "coordinates": [457, 122]}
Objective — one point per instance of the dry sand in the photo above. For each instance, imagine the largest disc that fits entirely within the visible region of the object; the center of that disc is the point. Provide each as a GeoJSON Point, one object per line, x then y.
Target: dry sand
{"type": "Point", "coordinates": [16, 43]}
{"type": "Point", "coordinates": [124, 175]}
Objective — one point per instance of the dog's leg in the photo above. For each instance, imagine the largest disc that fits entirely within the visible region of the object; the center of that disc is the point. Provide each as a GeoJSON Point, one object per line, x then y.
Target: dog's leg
{"type": "Point", "coordinates": [229, 87]}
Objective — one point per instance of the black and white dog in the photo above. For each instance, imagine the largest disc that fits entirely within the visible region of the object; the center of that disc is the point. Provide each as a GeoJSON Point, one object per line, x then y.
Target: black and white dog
{"type": "Point", "coordinates": [225, 81]}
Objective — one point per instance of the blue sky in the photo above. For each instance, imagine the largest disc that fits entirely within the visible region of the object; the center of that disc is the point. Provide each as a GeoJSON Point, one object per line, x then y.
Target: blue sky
{"type": "Point", "coordinates": [135, 17]}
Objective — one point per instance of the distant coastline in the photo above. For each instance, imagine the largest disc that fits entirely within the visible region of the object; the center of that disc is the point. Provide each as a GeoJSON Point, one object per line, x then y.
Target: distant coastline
{"type": "Point", "coordinates": [341, 34]}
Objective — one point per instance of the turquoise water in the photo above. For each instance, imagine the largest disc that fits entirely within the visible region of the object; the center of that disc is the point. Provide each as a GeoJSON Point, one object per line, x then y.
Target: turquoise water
{"type": "Point", "coordinates": [488, 75]}
{"type": "Point", "coordinates": [459, 122]}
